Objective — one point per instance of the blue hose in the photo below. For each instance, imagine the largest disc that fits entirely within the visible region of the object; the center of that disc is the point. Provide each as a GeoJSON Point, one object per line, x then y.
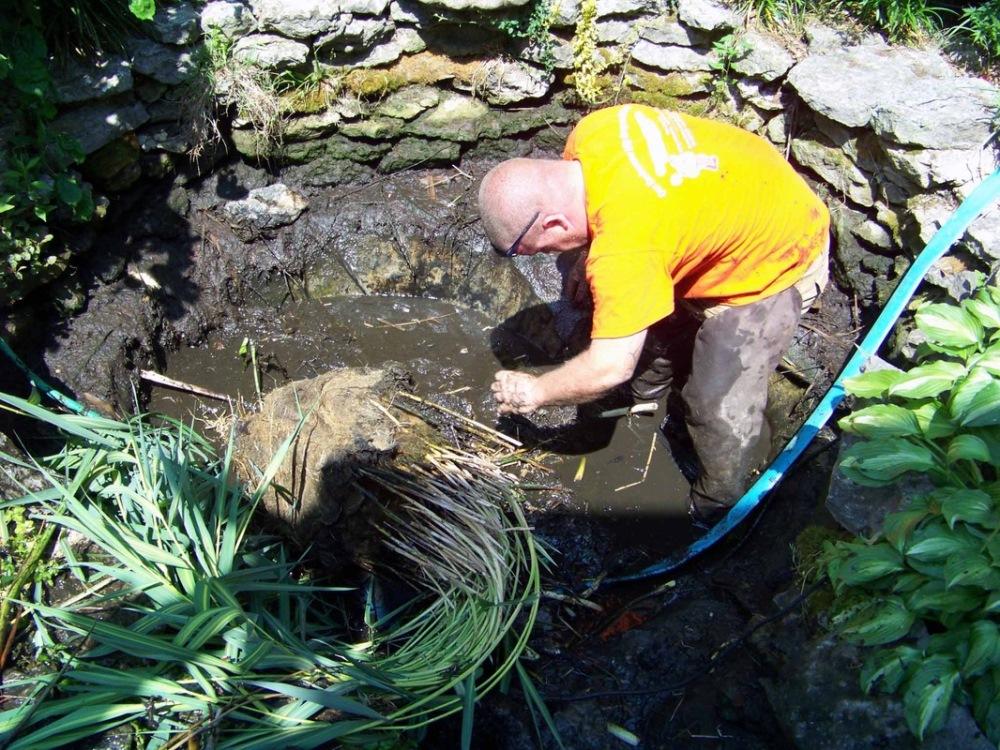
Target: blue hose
{"type": "Point", "coordinates": [977, 202]}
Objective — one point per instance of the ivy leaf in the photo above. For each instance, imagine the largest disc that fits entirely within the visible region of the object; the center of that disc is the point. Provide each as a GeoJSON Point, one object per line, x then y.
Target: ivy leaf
{"type": "Point", "coordinates": [972, 506]}
{"type": "Point", "coordinates": [887, 668]}
{"type": "Point", "coordinates": [984, 648]}
{"type": "Point", "coordinates": [970, 569]}
{"type": "Point", "coordinates": [881, 621]}
{"type": "Point", "coordinates": [928, 695]}
{"type": "Point", "coordinates": [869, 563]}
{"type": "Point", "coordinates": [881, 421]}
{"type": "Point", "coordinates": [975, 402]}
{"type": "Point", "coordinates": [144, 10]}
{"type": "Point", "coordinates": [872, 384]}
{"type": "Point", "coordinates": [949, 325]}
{"type": "Point", "coordinates": [878, 463]}
{"type": "Point", "coordinates": [927, 381]}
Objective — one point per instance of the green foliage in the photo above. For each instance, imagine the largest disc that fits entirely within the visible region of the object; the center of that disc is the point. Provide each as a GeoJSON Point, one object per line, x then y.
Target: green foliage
{"type": "Point", "coordinates": [902, 20]}
{"type": "Point", "coordinates": [728, 50]}
{"type": "Point", "coordinates": [216, 630]}
{"type": "Point", "coordinates": [38, 186]}
{"type": "Point", "coordinates": [980, 24]}
{"type": "Point", "coordinates": [533, 27]}
{"type": "Point", "coordinates": [936, 561]}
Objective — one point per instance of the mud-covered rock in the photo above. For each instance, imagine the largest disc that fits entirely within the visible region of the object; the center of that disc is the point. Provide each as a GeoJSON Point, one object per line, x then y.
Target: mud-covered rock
{"type": "Point", "coordinates": [338, 429]}
{"type": "Point", "coordinates": [265, 208]}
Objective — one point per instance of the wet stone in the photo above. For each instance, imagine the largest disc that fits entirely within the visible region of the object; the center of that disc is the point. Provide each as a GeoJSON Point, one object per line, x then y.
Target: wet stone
{"type": "Point", "coordinates": [411, 151]}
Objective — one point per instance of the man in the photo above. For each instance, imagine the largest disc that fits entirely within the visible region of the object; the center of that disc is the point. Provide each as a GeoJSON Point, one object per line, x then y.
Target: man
{"type": "Point", "coordinates": [692, 226]}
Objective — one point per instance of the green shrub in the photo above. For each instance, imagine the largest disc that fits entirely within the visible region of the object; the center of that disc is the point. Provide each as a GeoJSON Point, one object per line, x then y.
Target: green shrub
{"type": "Point", "coordinates": [928, 585]}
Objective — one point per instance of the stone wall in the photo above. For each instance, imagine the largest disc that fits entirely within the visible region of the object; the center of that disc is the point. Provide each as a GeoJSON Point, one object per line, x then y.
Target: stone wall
{"type": "Point", "coordinates": [892, 137]}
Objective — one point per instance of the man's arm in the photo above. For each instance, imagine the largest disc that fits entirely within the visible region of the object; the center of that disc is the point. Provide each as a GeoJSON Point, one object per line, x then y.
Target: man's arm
{"type": "Point", "coordinates": [589, 375]}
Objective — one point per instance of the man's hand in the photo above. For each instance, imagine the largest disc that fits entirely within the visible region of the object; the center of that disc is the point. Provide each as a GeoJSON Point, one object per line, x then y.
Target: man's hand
{"type": "Point", "coordinates": [515, 392]}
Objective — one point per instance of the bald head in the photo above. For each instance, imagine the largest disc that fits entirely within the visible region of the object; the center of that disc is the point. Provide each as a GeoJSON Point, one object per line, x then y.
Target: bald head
{"type": "Point", "coordinates": [514, 190]}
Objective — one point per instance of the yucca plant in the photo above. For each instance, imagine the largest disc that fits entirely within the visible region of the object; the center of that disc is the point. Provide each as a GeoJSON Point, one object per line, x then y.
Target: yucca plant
{"type": "Point", "coordinates": [212, 631]}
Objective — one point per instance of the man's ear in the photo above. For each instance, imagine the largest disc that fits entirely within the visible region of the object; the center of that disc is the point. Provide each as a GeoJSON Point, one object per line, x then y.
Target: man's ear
{"type": "Point", "coordinates": [556, 221]}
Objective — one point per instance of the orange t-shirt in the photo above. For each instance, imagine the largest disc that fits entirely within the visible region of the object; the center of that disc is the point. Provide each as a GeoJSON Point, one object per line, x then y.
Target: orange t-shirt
{"type": "Point", "coordinates": [683, 207]}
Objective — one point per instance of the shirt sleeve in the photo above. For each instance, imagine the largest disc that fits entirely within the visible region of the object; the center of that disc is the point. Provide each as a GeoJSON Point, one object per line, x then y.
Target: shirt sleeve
{"type": "Point", "coordinates": [631, 291]}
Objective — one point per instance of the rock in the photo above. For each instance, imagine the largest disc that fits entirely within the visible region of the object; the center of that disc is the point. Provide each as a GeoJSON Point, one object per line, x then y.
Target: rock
{"type": "Point", "coordinates": [355, 35]}
{"type": "Point", "coordinates": [927, 213]}
{"type": "Point", "coordinates": [761, 95]}
{"type": "Point", "coordinates": [983, 237]}
{"type": "Point", "coordinates": [861, 510]}
{"type": "Point", "coordinates": [502, 82]}
{"type": "Point", "coordinates": [344, 431]}
{"type": "Point", "coordinates": [78, 81]}
{"type": "Point", "coordinates": [412, 151]}
{"type": "Point", "coordinates": [559, 54]}
{"type": "Point", "coordinates": [671, 58]}
{"type": "Point", "coordinates": [954, 275]}
{"type": "Point", "coordinates": [849, 258]}
{"type": "Point", "coordinates": [823, 38]}
{"type": "Point", "coordinates": [932, 168]}
{"type": "Point", "coordinates": [227, 18]}
{"type": "Point", "coordinates": [381, 54]}
{"type": "Point", "coordinates": [874, 234]}
{"type": "Point", "coordinates": [567, 12]}
{"type": "Point", "coordinates": [264, 208]}
{"type": "Point", "coordinates": [407, 103]}
{"type": "Point", "coordinates": [115, 166]}
{"type": "Point", "coordinates": [455, 118]}
{"type": "Point", "coordinates": [767, 58]}
{"type": "Point", "coordinates": [907, 96]}
{"type": "Point", "coordinates": [324, 171]}
{"type": "Point", "coordinates": [166, 64]}
{"type": "Point", "coordinates": [336, 147]}
{"type": "Point", "coordinates": [819, 705]}
{"type": "Point", "coordinates": [96, 125]}
{"type": "Point", "coordinates": [836, 168]}
{"type": "Point", "coordinates": [176, 23]}
{"type": "Point", "coordinates": [666, 30]}
{"type": "Point", "coordinates": [478, 4]}
{"type": "Point", "coordinates": [376, 128]}
{"type": "Point", "coordinates": [707, 15]}
{"type": "Point", "coordinates": [312, 126]}
{"type": "Point", "coordinates": [172, 137]}
{"type": "Point", "coordinates": [305, 19]}
{"type": "Point", "coordinates": [271, 52]}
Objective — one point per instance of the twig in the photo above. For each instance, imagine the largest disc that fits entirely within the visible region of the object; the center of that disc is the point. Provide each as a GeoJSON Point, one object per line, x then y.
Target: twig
{"type": "Point", "coordinates": [645, 471]}
{"type": "Point", "coordinates": [400, 326]}
{"type": "Point", "coordinates": [478, 425]}
{"type": "Point", "coordinates": [569, 599]}
{"type": "Point", "coordinates": [385, 411]}
{"type": "Point", "coordinates": [178, 385]}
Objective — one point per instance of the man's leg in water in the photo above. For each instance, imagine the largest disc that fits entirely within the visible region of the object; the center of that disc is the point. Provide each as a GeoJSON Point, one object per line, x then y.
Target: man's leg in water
{"type": "Point", "coordinates": [666, 356]}
{"type": "Point", "coordinates": [735, 352]}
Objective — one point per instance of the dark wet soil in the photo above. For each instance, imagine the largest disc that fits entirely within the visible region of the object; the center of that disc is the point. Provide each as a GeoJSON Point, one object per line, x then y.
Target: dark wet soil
{"type": "Point", "coordinates": [638, 656]}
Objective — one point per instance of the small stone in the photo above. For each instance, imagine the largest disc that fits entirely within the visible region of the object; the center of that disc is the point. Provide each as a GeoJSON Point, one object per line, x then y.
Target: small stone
{"type": "Point", "coordinates": [707, 15]}
{"type": "Point", "coordinates": [265, 208]}
{"type": "Point", "coordinates": [270, 52]}
{"type": "Point", "coordinates": [96, 125]}
{"type": "Point", "coordinates": [376, 128]}
{"type": "Point", "coordinates": [455, 118]}
{"type": "Point", "coordinates": [355, 35]}
{"type": "Point", "coordinates": [874, 234]}
{"type": "Point", "coordinates": [766, 58]}
{"type": "Point", "coordinates": [312, 126]}
{"type": "Point", "coordinates": [502, 82]}
{"type": "Point", "coordinates": [672, 58]}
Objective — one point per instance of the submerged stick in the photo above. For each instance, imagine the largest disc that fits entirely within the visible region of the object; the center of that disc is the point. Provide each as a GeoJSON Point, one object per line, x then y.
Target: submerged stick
{"type": "Point", "coordinates": [178, 385]}
{"type": "Point", "coordinates": [478, 425]}
{"type": "Point", "coordinates": [645, 471]}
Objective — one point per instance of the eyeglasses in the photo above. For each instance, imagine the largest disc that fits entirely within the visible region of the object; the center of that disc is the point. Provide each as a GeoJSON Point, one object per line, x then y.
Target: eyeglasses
{"type": "Point", "coordinates": [512, 250]}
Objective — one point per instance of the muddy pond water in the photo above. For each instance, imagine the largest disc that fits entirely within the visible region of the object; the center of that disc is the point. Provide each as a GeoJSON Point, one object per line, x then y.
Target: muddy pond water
{"type": "Point", "coordinates": [617, 467]}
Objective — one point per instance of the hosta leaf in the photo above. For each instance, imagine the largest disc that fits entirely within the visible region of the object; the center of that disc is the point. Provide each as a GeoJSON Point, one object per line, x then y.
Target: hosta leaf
{"type": "Point", "coordinates": [988, 314]}
{"type": "Point", "coordinates": [986, 705]}
{"type": "Point", "coordinates": [886, 668]}
{"type": "Point", "coordinates": [968, 448]}
{"type": "Point", "coordinates": [872, 384]}
{"type": "Point", "coordinates": [936, 542]}
{"type": "Point", "coordinates": [878, 463]}
{"type": "Point", "coordinates": [988, 360]}
{"type": "Point", "coordinates": [934, 598]}
{"type": "Point", "coordinates": [973, 506]}
{"type": "Point", "coordinates": [949, 325]}
{"type": "Point", "coordinates": [896, 527]}
{"type": "Point", "coordinates": [881, 421]}
{"type": "Point", "coordinates": [882, 621]}
{"type": "Point", "coordinates": [970, 569]}
{"type": "Point", "coordinates": [869, 564]}
{"type": "Point", "coordinates": [934, 420]}
{"type": "Point", "coordinates": [984, 647]}
{"type": "Point", "coordinates": [928, 695]}
{"type": "Point", "coordinates": [976, 400]}
{"type": "Point", "coordinates": [927, 381]}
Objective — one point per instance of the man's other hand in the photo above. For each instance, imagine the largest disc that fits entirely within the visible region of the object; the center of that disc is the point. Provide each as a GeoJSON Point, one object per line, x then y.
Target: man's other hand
{"type": "Point", "coordinates": [515, 392]}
